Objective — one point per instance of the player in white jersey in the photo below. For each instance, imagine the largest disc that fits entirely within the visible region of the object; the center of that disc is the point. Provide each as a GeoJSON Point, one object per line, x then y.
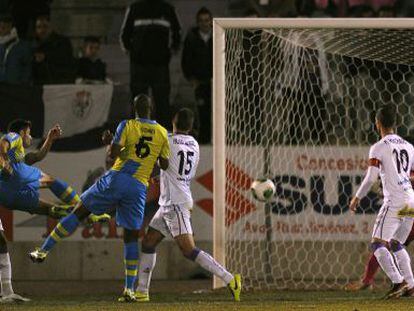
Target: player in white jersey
{"type": "Point", "coordinates": [174, 215]}
{"type": "Point", "coordinates": [7, 294]}
{"type": "Point", "coordinates": [392, 158]}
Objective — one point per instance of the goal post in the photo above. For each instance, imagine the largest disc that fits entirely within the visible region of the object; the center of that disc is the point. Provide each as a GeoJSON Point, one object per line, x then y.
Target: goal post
{"type": "Point", "coordinates": [293, 100]}
{"type": "Point", "coordinates": [219, 161]}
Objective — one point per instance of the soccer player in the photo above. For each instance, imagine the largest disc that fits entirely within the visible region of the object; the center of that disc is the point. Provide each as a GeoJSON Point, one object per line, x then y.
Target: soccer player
{"type": "Point", "coordinates": [19, 188]}
{"type": "Point", "coordinates": [392, 158]}
{"type": "Point", "coordinates": [20, 181]}
{"type": "Point", "coordinates": [371, 269]}
{"type": "Point", "coordinates": [7, 293]}
{"type": "Point", "coordinates": [136, 146]}
{"type": "Point", "coordinates": [173, 218]}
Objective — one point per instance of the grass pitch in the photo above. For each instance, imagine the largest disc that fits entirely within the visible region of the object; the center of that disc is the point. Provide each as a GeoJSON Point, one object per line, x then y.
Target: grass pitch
{"type": "Point", "coordinates": [176, 298]}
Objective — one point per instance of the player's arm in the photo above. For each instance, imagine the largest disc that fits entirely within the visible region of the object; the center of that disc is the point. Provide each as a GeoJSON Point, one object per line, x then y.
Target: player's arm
{"type": "Point", "coordinates": [114, 151]}
{"type": "Point", "coordinates": [4, 159]}
{"type": "Point", "coordinates": [117, 142]}
{"type": "Point", "coordinates": [163, 161]}
{"type": "Point", "coordinates": [370, 178]}
{"type": "Point", "coordinates": [37, 156]}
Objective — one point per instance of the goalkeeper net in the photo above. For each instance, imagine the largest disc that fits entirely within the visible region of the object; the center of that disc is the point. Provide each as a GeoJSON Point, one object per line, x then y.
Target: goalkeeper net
{"type": "Point", "coordinates": [297, 105]}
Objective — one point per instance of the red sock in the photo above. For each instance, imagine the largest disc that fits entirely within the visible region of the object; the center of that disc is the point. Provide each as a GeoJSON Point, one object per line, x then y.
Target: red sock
{"type": "Point", "coordinates": [370, 270]}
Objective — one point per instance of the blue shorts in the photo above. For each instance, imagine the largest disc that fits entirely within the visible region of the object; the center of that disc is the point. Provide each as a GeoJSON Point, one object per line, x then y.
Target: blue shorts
{"type": "Point", "coordinates": [21, 190]}
{"type": "Point", "coordinates": [124, 192]}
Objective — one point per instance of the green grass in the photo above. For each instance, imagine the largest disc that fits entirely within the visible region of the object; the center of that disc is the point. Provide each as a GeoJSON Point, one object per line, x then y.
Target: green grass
{"type": "Point", "coordinates": [221, 301]}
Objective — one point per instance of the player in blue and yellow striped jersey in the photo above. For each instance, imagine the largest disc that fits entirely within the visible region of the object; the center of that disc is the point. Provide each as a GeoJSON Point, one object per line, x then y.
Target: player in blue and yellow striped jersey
{"type": "Point", "coordinates": [137, 146]}
{"type": "Point", "coordinates": [19, 188]}
{"type": "Point", "coordinates": [20, 181]}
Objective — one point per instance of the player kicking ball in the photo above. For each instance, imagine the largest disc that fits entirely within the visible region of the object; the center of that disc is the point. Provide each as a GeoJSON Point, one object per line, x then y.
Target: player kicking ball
{"type": "Point", "coordinates": [20, 182]}
{"type": "Point", "coordinates": [392, 158]}
{"type": "Point", "coordinates": [174, 215]}
{"type": "Point", "coordinates": [136, 146]}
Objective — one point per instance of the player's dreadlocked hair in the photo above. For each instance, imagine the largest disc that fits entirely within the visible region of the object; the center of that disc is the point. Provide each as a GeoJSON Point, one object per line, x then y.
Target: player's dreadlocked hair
{"type": "Point", "coordinates": [184, 119]}
{"type": "Point", "coordinates": [143, 105]}
{"type": "Point", "coordinates": [386, 115]}
{"type": "Point", "coordinates": [17, 125]}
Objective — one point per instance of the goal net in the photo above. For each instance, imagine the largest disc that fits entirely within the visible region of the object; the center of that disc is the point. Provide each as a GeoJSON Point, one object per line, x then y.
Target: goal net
{"type": "Point", "coordinates": [295, 102]}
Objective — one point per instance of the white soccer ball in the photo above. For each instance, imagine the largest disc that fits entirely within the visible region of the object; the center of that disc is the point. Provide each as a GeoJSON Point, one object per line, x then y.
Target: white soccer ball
{"type": "Point", "coordinates": [263, 189]}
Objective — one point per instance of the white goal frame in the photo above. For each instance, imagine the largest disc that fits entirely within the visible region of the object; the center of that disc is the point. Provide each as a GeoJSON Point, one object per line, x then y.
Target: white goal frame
{"type": "Point", "coordinates": [219, 96]}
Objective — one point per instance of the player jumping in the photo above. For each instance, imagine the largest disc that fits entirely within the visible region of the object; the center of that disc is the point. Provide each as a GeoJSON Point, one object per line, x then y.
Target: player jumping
{"type": "Point", "coordinates": [136, 146]}
{"type": "Point", "coordinates": [20, 182]}
{"type": "Point", "coordinates": [392, 158]}
{"type": "Point", "coordinates": [19, 188]}
{"type": "Point", "coordinates": [174, 215]}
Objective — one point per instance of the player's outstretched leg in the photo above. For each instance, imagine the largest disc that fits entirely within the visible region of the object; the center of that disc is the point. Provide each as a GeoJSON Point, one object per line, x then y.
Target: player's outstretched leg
{"type": "Point", "coordinates": [386, 261]}
{"type": "Point", "coordinates": [147, 263]}
{"type": "Point", "coordinates": [367, 280]}
{"type": "Point", "coordinates": [68, 195]}
{"type": "Point", "coordinates": [206, 261]}
{"type": "Point", "coordinates": [53, 210]}
{"type": "Point", "coordinates": [131, 254]}
{"type": "Point", "coordinates": [7, 293]}
{"type": "Point", "coordinates": [60, 189]}
{"type": "Point", "coordinates": [62, 230]}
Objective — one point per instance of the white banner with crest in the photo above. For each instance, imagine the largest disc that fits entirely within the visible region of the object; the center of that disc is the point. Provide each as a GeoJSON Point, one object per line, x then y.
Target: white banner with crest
{"type": "Point", "coordinates": [77, 108]}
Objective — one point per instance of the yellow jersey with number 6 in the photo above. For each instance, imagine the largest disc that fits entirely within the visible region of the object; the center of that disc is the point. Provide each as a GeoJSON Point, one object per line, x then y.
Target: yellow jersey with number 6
{"type": "Point", "coordinates": [143, 141]}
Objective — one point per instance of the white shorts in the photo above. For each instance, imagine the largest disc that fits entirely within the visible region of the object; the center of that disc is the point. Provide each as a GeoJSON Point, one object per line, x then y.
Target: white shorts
{"type": "Point", "coordinates": [1, 226]}
{"type": "Point", "coordinates": [172, 220]}
{"type": "Point", "coordinates": [388, 226]}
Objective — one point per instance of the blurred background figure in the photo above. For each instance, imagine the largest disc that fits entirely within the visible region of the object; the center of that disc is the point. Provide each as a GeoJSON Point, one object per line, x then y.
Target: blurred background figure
{"type": "Point", "coordinates": [4, 6]}
{"type": "Point", "coordinates": [145, 36]}
{"type": "Point", "coordinates": [53, 55]}
{"type": "Point", "coordinates": [90, 67]}
{"type": "Point", "coordinates": [15, 55]}
{"type": "Point", "coordinates": [251, 13]}
{"type": "Point", "coordinates": [197, 65]}
{"type": "Point", "coordinates": [387, 11]}
{"type": "Point", "coordinates": [362, 10]}
{"type": "Point", "coordinates": [25, 13]}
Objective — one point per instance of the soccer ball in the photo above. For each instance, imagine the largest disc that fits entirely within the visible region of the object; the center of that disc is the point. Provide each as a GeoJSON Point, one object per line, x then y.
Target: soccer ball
{"type": "Point", "coordinates": [263, 189]}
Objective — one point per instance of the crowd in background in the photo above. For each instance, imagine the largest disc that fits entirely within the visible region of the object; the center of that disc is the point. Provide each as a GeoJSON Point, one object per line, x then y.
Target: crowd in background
{"type": "Point", "coordinates": [31, 52]}
{"type": "Point", "coordinates": [44, 56]}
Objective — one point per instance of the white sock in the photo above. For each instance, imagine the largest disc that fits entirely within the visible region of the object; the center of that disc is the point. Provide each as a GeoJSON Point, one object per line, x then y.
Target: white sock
{"type": "Point", "coordinates": [387, 264]}
{"type": "Point", "coordinates": [146, 266]}
{"type": "Point", "coordinates": [211, 265]}
{"type": "Point", "coordinates": [5, 272]}
{"type": "Point", "coordinates": [404, 263]}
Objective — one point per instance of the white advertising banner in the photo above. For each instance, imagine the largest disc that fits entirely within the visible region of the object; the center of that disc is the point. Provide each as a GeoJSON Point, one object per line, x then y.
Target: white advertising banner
{"type": "Point", "coordinates": [77, 108]}
{"type": "Point", "coordinates": [313, 188]}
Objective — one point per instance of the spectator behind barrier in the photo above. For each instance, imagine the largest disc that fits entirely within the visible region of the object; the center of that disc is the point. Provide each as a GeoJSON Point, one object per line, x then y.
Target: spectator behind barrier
{"type": "Point", "coordinates": [197, 65]}
{"type": "Point", "coordinates": [15, 55]}
{"type": "Point", "coordinates": [145, 36]}
{"type": "Point", "coordinates": [25, 13]}
{"type": "Point", "coordinates": [53, 56]}
{"type": "Point", "coordinates": [91, 69]}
